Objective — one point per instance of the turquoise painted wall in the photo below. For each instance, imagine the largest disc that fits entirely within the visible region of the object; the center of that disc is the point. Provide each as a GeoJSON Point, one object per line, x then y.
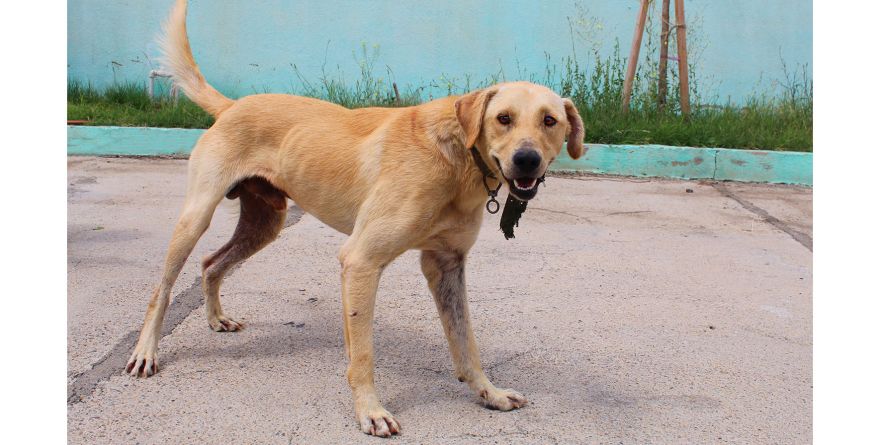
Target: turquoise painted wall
{"type": "Point", "coordinates": [248, 46]}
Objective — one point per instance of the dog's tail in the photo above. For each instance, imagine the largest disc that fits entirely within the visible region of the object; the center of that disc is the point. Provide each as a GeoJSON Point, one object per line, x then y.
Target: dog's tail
{"type": "Point", "coordinates": [178, 60]}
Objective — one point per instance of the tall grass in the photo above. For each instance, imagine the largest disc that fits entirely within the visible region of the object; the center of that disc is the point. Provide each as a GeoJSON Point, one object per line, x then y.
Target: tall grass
{"type": "Point", "coordinates": [779, 122]}
{"type": "Point", "coordinates": [368, 90]}
{"type": "Point", "coordinates": [782, 122]}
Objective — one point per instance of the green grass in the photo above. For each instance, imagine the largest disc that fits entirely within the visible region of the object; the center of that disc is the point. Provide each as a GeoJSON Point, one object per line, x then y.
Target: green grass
{"type": "Point", "coordinates": [128, 105]}
{"type": "Point", "coordinates": [783, 122]}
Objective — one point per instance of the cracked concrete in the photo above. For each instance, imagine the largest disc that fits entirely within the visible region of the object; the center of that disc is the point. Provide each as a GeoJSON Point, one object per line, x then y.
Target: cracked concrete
{"type": "Point", "coordinates": [627, 311]}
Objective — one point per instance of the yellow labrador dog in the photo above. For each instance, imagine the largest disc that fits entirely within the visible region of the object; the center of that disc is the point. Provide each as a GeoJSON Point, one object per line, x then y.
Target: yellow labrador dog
{"type": "Point", "coordinates": [393, 179]}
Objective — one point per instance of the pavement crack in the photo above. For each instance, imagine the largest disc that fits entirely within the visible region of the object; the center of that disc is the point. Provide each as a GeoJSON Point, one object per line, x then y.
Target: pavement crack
{"type": "Point", "coordinates": [560, 212]}
{"type": "Point", "coordinates": [109, 364]}
{"type": "Point", "coordinates": [183, 305]}
{"type": "Point", "coordinates": [633, 212]}
{"type": "Point", "coordinates": [800, 237]}
{"type": "Point", "coordinates": [499, 434]}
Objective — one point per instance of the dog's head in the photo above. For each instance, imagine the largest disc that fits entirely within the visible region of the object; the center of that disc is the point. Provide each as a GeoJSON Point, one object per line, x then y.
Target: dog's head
{"type": "Point", "coordinates": [521, 127]}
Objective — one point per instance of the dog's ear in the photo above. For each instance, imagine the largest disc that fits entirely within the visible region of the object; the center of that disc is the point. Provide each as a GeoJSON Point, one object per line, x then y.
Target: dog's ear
{"type": "Point", "coordinates": [575, 138]}
{"type": "Point", "coordinates": [470, 109]}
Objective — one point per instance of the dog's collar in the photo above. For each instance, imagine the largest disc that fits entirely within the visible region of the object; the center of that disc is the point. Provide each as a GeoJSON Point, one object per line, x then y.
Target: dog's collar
{"type": "Point", "coordinates": [514, 207]}
{"type": "Point", "coordinates": [492, 205]}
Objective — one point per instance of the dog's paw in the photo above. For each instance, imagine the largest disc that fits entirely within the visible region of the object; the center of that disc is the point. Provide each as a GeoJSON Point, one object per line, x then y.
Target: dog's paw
{"type": "Point", "coordinates": [224, 324]}
{"type": "Point", "coordinates": [502, 399]}
{"type": "Point", "coordinates": [378, 422]}
{"type": "Point", "coordinates": [143, 363]}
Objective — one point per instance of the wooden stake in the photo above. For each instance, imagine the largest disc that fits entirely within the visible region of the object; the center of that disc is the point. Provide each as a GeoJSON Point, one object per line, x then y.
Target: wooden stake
{"type": "Point", "coordinates": [663, 58]}
{"type": "Point", "coordinates": [635, 54]}
{"type": "Point", "coordinates": [684, 58]}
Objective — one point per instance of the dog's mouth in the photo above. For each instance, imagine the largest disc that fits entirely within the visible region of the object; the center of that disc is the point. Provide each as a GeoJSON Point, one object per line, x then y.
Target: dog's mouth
{"type": "Point", "coordinates": [523, 188]}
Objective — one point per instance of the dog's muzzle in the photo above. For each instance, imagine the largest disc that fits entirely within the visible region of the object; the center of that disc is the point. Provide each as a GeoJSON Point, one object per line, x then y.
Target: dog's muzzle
{"type": "Point", "coordinates": [525, 185]}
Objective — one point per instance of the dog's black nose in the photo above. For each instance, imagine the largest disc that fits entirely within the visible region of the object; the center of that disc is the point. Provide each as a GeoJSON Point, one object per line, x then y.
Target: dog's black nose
{"type": "Point", "coordinates": [526, 161]}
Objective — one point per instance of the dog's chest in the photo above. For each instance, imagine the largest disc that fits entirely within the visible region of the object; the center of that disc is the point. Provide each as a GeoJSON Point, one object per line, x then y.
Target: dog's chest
{"type": "Point", "coordinates": [454, 229]}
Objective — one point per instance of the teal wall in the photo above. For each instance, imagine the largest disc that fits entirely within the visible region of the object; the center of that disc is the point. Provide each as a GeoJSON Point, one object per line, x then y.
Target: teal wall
{"type": "Point", "coordinates": [248, 46]}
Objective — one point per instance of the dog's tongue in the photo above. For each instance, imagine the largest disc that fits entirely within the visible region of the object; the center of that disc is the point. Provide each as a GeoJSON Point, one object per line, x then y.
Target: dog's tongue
{"type": "Point", "coordinates": [525, 182]}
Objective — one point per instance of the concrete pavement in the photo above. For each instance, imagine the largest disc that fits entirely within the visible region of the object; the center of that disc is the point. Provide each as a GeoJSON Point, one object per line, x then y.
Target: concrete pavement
{"type": "Point", "coordinates": [626, 310]}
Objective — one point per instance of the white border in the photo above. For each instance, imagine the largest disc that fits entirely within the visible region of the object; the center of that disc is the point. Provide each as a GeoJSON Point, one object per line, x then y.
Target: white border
{"type": "Point", "coordinates": [849, 289]}
{"type": "Point", "coordinates": [850, 293]}
{"type": "Point", "coordinates": [34, 326]}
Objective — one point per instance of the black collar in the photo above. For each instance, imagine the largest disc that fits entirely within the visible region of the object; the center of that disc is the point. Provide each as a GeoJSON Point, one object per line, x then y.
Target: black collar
{"type": "Point", "coordinates": [492, 205]}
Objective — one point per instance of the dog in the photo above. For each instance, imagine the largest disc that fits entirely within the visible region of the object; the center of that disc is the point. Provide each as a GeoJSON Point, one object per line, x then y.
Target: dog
{"type": "Point", "coordinates": [392, 179]}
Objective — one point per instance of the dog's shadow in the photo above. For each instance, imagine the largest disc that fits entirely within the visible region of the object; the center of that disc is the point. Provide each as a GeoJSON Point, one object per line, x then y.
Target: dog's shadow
{"type": "Point", "coordinates": [417, 359]}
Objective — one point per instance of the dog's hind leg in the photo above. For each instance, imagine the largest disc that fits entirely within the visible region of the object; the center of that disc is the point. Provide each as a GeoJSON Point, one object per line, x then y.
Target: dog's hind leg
{"type": "Point", "coordinates": [262, 213]}
{"type": "Point", "coordinates": [445, 272]}
{"type": "Point", "coordinates": [205, 190]}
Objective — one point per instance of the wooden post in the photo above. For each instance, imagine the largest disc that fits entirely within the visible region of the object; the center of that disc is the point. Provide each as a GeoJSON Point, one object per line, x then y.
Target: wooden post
{"type": "Point", "coordinates": [684, 58]}
{"type": "Point", "coordinates": [635, 54]}
{"type": "Point", "coordinates": [663, 58]}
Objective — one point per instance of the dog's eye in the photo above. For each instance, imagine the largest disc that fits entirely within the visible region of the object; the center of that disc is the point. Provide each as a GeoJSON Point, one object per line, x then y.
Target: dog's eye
{"type": "Point", "coordinates": [504, 119]}
{"type": "Point", "coordinates": [550, 121]}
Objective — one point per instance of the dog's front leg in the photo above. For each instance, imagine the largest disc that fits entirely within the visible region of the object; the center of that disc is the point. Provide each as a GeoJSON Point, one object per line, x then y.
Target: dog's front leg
{"type": "Point", "coordinates": [359, 281]}
{"type": "Point", "coordinates": [445, 272]}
